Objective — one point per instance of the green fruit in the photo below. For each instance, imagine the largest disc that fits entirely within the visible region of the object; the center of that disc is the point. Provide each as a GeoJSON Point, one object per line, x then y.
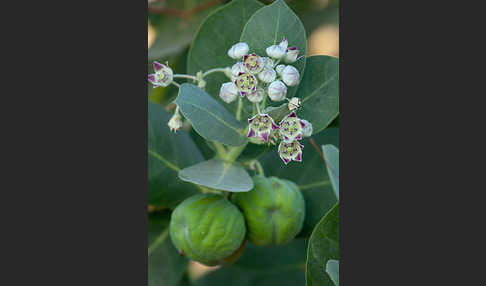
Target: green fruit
{"type": "Point", "coordinates": [274, 210]}
{"type": "Point", "coordinates": [207, 228]}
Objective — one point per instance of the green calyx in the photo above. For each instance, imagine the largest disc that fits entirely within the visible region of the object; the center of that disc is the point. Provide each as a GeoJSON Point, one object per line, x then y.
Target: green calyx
{"type": "Point", "coordinates": [274, 210]}
{"type": "Point", "coordinates": [207, 228]}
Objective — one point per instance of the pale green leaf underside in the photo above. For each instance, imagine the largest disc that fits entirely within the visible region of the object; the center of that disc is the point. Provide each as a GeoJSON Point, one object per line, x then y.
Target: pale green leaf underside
{"type": "Point", "coordinates": [331, 153]}
{"type": "Point", "coordinates": [332, 268]}
{"type": "Point", "coordinates": [319, 92]}
{"type": "Point", "coordinates": [209, 118]}
{"type": "Point", "coordinates": [218, 175]}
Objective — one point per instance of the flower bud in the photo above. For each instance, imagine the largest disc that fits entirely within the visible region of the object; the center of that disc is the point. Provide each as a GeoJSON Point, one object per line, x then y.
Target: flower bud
{"type": "Point", "coordinates": [257, 96]}
{"type": "Point", "coordinates": [253, 63]}
{"type": "Point", "coordinates": [290, 76]}
{"type": "Point", "coordinates": [291, 55]}
{"type": "Point", "coordinates": [238, 50]}
{"type": "Point", "coordinates": [261, 125]}
{"type": "Point", "coordinates": [307, 131]}
{"type": "Point", "coordinates": [290, 151]}
{"type": "Point", "coordinates": [277, 91]}
{"type": "Point", "coordinates": [228, 92]}
{"type": "Point", "coordinates": [163, 75]}
{"type": "Point", "coordinates": [268, 75]}
{"type": "Point", "coordinates": [280, 69]}
{"type": "Point", "coordinates": [175, 122]}
{"type": "Point", "coordinates": [284, 43]}
{"type": "Point", "coordinates": [267, 62]}
{"type": "Point", "coordinates": [294, 103]}
{"type": "Point", "coordinates": [275, 51]}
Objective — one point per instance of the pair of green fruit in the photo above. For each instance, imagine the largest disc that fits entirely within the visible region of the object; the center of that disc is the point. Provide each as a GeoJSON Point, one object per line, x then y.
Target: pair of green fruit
{"type": "Point", "coordinates": [210, 229]}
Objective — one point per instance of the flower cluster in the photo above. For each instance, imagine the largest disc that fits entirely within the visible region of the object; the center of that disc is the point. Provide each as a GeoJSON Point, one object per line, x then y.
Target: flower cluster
{"type": "Point", "coordinates": [254, 76]}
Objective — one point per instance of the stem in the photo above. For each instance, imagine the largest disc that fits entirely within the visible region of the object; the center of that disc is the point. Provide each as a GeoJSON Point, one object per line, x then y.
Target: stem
{"type": "Point", "coordinates": [234, 152]}
{"type": "Point", "coordinates": [176, 84]}
{"type": "Point", "coordinates": [238, 109]}
{"type": "Point", "coordinates": [258, 108]}
{"type": "Point", "coordinates": [213, 71]}
{"type": "Point", "coordinates": [220, 150]}
{"type": "Point", "coordinates": [185, 76]}
{"type": "Point", "coordinates": [259, 168]}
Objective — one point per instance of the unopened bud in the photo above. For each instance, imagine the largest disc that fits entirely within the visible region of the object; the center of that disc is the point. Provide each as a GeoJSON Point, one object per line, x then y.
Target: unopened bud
{"type": "Point", "coordinates": [238, 50]}
{"type": "Point", "coordinates": [228, 92]}
{"type": "Point", "coordinates": [290, 76]}
{"type": "Point", "coordinates": [277, 91]}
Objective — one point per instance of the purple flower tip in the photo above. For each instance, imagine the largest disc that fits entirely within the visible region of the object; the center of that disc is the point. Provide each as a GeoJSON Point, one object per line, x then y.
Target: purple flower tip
{"type": "Point", "coordinates": [293, 48]}
{"type": "Point", "coordinates": [158, 66]}
{"type": "Point", "coordinates": [293, 114]}
{"type": "Point", "coordinates": [265, 136]}
{"type": "Point", "coordinates": [298, 158]}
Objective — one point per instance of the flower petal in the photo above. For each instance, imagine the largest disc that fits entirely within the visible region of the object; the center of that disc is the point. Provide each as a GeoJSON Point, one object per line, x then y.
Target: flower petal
{"type": "Point", "coordinates": [251, 133]}
{"type": "Point", "coordinates": [264, 136]}
{"type": "Point", "coordinates": [298, 158]}
{"type": "Point", "coordinates": [151, 78]}
{"type": "Point", "coordinates": [158, 66]}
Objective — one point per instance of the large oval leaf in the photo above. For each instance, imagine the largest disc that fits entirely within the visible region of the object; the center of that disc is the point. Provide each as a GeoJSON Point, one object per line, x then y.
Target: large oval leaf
{"type": "Point", "coordinates": [165, 265]}
{"type": "Point", "coordinates": [319, 92]}
{"type": "Point", "coordinates": [323, 246]}
{"type": "Point", "coordinates": [217, 34]}
{"type": "Point", "coordinates": [332, 269]}
{"type": "Point", "coordinates": [168, 153]}
{"type": "Point", "coordinates": [269, 25]}
{"type": "Point", "coordinates": [209, 118]}
{"type": "Point", "coordinates": [310, 175]}
{"type": "Point", "coordinates": [218, 175]}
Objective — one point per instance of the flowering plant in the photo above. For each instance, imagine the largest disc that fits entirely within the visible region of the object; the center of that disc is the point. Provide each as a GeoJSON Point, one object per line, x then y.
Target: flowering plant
{"type": "Point", "coordinates": [253, 101]}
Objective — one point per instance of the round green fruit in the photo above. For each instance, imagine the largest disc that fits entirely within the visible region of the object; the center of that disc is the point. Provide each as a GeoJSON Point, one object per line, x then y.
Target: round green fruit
{"type": "Point", "coordinates": [274, 210]}
{"type": "Point", "coordinates": [207, 228]}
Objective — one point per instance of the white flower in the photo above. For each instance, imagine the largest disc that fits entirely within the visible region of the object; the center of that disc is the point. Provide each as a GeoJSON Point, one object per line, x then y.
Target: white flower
{"type": "Point", "coordinates": [228, 92]}
{"type": "Point", "coordinates": [284, 43]}
{"type": "Point", "coordinates": [275, 51]}
{"type": "Point", "coordinates": [163, 75]}
{"type": "Point", "coordinates": [268, 75]}
{"type": "Point", "coordinates": [280, 69]}
{"type": "Point", "coordinates": [237, 69]}
{"type": "Point", "coordinates": [238, 50]}
{"type": "Point", "coordinates": [257, 96]}
{"type": "Point", "coordinates": [290, 76]}
{"type": "Point", "coordinates": [268, 62]}
{"type": "Point", "coordinates": [294, 103]}
{"type": "Point", "coordinates": [175, 122]}
{"type": "Point", "coordinates": [253, 63]}
{"type": "Point", "coordinates": [277, 91]}
{"type": "Point", "coordinates": [307, 131]}
{"type": "Point", "coordinates": [291, 55]}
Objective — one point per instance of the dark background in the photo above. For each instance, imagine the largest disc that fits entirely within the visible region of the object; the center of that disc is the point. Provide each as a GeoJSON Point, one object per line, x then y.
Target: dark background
{"type": "Point", "coordinates": [74, 133]}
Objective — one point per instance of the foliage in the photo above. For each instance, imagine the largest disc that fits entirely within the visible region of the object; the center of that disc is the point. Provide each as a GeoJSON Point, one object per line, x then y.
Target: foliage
{"type": "Point", "coordinates": [215, 150]}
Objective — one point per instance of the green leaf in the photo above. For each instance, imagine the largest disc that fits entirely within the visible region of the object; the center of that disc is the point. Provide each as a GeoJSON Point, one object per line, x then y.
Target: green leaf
{"type": "Point", "coordinates": [165, 266]}
{"type": "Point", "coordinates": [209, 118]}
{"type": "Point", "coordinates": [173, 34]}
{"type": "Point", "coordinates": [236, 276]}
{"type": "Point", "coordinates": [310, 175]}
{"type": "Point", "coordinates": [319, 92]}
{"type": "Point", "coordinates": [331, 153]}
{"type": "Point", "coordinates": [289, 256]}
{"type": "Point", "coordinates": [217, 34]}
{"type": "Point", "coordinates": [332, 269]}
{"type": "Point", "coordinates": [269, 25]}
{"type": "Point", "coordinates": [323, 246]}
{"type": "Point", "coordinates": [167, 153]}
{"type": "Point", "coordinates": [218, 175]}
